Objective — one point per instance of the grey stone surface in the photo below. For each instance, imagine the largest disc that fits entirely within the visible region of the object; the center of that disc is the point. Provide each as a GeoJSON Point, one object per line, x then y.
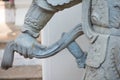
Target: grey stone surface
{"type": "Point", "coordinates": [21, 61]}
{"type": "Point", "coordinates": [100, 25]}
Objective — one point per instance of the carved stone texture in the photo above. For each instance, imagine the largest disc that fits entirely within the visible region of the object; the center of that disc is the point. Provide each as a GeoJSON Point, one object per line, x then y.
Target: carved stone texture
{"type": "Point", "coordinates": [110, 68]}
{"type": "Point", "coordinates": [101, 22]}
{"type": "Point", "coordinates": [102, 61]}
{"type": "Point", "coordinates": [114, 6]}
{"type": "Point", "coordinates": [37, 17]}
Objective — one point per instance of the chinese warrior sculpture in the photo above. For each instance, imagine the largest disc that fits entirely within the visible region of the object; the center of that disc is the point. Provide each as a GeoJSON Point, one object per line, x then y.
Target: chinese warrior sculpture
{"type": "Point", "coordinates": [100, 23]}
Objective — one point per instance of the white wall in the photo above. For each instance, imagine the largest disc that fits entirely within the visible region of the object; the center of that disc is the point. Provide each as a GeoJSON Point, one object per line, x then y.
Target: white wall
{"type": "Point", "coordinates": [62, 66]}
{"type": "Point", "coordinates": [22, 7]}
{"type": "Point", "coordinates": [2, 13]}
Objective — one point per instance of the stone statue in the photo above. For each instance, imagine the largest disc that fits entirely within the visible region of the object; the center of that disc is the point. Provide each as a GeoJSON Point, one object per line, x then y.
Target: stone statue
{"type": "Point", "coordinates": [100, 24]}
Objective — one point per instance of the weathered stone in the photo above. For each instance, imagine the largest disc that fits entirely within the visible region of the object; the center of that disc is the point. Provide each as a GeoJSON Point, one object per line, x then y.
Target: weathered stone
{"type": "Point", "coordinates": [100, 24]}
